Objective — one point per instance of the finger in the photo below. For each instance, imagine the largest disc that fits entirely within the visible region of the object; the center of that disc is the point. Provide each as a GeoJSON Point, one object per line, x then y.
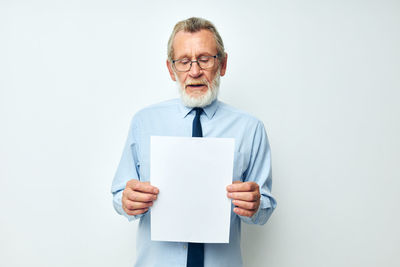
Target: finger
{"type": "Point", "coordinates": [242, 187]}
{"type": "Point", "coordinates": [243, 212]}
{"type": "Point", "coordinates": [246, 196]}
{"type": "Point", "coordinates": [140, 197]}
{"type": "Point", "coordinates": [144, 187]}
{"type": "Point", "coordinates": [136, 212]}
{"type": "Point", "coordinates": [132, 205]}
{"type": "Point", "coordinates": [248, 205]}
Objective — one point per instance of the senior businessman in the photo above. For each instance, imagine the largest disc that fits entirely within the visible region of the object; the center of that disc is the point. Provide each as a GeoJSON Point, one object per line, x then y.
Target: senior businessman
{"type": "Point", "coordinates": [196, 61]}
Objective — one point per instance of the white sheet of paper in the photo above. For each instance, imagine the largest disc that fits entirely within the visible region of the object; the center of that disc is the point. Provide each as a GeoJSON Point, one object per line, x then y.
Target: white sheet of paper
{"type": "Point", "coordinates": [192, 174]}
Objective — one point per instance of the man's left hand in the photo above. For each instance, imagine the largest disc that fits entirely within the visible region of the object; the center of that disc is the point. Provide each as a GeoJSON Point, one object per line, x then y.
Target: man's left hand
{"type": "Point", "coordinates": [245, 196]}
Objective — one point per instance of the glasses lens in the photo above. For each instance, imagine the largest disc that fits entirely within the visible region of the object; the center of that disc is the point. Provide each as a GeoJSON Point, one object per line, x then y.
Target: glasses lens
{"type": "Point", "coordinates": [206, 62]}
{"type": "Point", "coordinates": [182, 65]}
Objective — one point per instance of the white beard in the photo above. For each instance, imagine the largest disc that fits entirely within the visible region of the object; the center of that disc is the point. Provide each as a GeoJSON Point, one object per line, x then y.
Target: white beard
{"type": "Point", "coordinates": [200, 101]}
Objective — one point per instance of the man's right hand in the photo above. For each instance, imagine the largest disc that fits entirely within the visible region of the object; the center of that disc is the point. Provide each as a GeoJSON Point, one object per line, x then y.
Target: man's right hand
{"type": "Point", "coordinates": [138, 196]}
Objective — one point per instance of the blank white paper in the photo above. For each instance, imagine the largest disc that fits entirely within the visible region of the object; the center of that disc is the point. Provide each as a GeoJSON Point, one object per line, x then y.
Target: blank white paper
{"type": "Point", "coordinates": [192, 174]}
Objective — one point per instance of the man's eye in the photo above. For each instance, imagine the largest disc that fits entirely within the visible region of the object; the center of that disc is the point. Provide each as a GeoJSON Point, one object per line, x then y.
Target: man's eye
{"type": "Point", "coordinates": [204, 59]}
{"type": "Point", "coordinates": [184, 61]}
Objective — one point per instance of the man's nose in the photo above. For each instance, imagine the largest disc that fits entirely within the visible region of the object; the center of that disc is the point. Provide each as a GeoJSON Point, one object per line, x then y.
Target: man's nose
{"type": "Point", "coordinates": [195, 70]}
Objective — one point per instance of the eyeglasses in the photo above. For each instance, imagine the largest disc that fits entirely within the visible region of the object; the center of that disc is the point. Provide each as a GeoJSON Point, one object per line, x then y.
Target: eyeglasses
{"type": "Point", "coordinates": [185, 64]}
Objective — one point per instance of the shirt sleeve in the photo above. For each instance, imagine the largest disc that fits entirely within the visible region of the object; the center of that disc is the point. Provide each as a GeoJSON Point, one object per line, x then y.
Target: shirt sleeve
{"type": "Point", "coordinates": [128, 168]}
{"type": "Point", "coordinates": [259, 171]}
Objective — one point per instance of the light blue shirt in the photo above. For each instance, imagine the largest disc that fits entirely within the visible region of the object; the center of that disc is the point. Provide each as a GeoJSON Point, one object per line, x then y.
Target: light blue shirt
{"type": "Point", "coordinates": [252, 162]}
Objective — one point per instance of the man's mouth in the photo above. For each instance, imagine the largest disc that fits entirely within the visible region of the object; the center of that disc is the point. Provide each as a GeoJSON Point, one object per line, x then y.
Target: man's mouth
{"type": "Point", "coordinates": [195, 85]}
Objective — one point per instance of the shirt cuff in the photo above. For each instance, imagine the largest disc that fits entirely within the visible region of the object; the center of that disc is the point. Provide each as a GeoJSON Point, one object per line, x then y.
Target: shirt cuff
{"type": "Point", "coordinates": [262, 214]}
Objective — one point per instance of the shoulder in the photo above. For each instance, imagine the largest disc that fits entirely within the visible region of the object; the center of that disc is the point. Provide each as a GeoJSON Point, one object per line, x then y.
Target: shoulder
{"type": "Point", "coordinates": [228, 110]}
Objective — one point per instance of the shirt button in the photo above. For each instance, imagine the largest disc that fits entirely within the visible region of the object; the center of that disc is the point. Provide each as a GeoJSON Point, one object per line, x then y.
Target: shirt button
{"type": "Point", "coordinates": [184, 246]}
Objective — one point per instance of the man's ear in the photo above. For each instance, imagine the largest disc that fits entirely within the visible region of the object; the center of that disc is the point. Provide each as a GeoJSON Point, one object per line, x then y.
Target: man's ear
{"type": "Point", "coordinates": [171, 71]}
{"type": "Point", "coordinates": [223, 65]}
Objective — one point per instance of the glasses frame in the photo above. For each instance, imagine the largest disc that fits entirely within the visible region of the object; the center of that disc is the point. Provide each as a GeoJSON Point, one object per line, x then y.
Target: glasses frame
{"type": "Point", "coordinates": [191, 62]}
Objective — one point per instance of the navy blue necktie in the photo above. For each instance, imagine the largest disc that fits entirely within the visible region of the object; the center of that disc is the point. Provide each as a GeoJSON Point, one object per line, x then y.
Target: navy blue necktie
{"type": "Point", "coordinates": [196, 128]}
{"type": "Point", "coordinates": [195, 257]}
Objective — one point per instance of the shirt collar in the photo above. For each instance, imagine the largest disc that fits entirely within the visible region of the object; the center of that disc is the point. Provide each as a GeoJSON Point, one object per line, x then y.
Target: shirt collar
{"type": "Point", "coordinates": [208, 110]}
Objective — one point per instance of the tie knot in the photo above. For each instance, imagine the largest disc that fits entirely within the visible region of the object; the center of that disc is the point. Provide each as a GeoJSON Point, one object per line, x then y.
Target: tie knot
{"type": "Point", "coordinates": [198, 111]}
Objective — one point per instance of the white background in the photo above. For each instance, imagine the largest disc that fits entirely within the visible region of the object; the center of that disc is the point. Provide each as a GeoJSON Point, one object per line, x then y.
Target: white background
{"type": "Point", "coordinates": [322, 75]}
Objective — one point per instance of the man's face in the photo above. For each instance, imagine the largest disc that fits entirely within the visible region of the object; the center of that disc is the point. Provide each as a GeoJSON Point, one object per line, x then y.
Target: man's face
{"type": "Point", "coordinates": [196, 82]}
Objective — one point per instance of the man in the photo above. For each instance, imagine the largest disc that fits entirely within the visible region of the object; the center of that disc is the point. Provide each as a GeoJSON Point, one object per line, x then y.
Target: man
{"type": "Point", "coordinates": [196, 60]}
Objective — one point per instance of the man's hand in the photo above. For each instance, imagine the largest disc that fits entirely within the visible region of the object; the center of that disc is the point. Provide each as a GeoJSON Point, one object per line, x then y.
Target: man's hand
{"type": "Point", "coordinates": [138, 196]}
{"type": "Point", "coordinates": [245, 196]}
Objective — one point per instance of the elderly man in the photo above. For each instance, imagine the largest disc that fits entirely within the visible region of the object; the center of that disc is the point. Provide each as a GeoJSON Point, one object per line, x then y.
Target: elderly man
{"type": "Point", "coordinates": [196, 60]}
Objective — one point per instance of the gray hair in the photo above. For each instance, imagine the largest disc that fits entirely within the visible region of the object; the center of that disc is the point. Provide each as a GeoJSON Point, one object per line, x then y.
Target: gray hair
{"type": "Point", "coordinates": [194, 25]}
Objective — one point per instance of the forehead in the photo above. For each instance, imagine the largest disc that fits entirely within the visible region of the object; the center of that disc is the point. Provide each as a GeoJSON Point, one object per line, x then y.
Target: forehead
{"type": "Point", "coordinates": [194, 43]}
